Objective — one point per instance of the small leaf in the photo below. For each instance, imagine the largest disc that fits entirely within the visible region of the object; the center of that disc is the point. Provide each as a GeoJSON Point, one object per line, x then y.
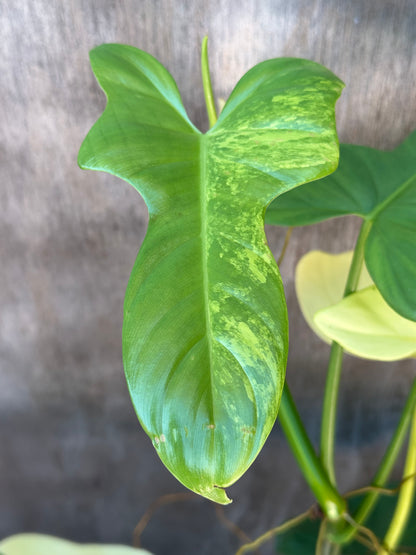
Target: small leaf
{"type": "Point", "coordinates": [320, 282]}
{"type": "Point", "coordinates": [364, 325]}
{"type": "Point", "coordinates": [379, 186]}
{"type": "Point", "coordinates": [39, 544]}
{"type": "Point", "coordinates": [205, 322]}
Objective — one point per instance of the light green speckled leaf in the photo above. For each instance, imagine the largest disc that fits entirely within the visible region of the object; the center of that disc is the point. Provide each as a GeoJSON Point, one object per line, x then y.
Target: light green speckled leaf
{"type": "Point", "coordinates": [205, 323]}
{"type": "Point", "coordinates": [39, 544]}
{"type": "Point", "coordinates": [365, 326]}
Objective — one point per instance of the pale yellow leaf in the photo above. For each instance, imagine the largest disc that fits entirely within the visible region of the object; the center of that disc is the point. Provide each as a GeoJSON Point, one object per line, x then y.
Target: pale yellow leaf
{"type": "Point", "coordinates": [39, 544]}
{"type": "Point", "coordinates": [364, 325]}
{"type": "Point", "coordinates": [320, 282]}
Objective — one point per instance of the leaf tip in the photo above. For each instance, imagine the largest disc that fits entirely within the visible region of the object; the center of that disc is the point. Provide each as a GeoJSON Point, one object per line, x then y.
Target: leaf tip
{"type": "Point", "coordinates": [217, 494]}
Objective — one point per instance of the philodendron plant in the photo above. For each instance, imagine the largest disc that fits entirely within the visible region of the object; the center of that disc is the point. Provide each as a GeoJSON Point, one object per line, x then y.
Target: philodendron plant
{"type": "Point", "coordinates": [205, 332]}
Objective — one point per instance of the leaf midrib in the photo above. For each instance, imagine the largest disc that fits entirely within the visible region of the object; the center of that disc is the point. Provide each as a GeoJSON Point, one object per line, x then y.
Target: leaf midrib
{"type": "Point", "coordinates": [204, 259]}
{"type": "Point", "coordinates": [387, 201]}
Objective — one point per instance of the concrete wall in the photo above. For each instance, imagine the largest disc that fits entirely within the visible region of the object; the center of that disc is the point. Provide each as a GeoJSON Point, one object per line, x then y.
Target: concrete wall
{"type": "Point", "coordinates": [73, 460]}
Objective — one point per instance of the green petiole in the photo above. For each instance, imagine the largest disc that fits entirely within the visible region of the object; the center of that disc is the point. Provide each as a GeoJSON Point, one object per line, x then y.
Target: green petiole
{"type": "Point", "coordinates": [385, 468]}
{"type": "Point", "coordinates": [206, 81]}
{"type": "Point", "coordinates": [335, 364]}
{"type": "Point", "coordinates": [406, 496]}
{"type": "Point", "coordinates": [330, 501]}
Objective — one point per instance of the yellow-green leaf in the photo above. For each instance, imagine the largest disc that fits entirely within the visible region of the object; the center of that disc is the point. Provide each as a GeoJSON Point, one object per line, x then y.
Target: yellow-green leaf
{"type": "Point", "coordinates": [363, 323]}
{"type": "Point", "coordinates": [365, 326]}
{"type": "Point", "coordinates": [320, 282]}
{"type": "Point", "coordinates": [39, 544]}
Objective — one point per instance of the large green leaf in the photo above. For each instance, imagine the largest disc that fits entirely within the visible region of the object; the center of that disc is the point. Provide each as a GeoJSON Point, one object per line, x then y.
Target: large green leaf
{"type": "Point", "coordinates": [205, 323]}
{"type": "Point", "coordinates": [301, 540]}
{"type": "Point", "coordinates": [40, 544]}
{"type": "Point", "coordinates": [380, 187]}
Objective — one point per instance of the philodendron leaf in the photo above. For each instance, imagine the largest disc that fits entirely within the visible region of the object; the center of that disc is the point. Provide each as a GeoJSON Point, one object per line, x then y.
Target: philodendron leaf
{"type": "Point", "coordinates": [205, 323]}
{"type": "Point", "coordinates": [320, 282]}
{"type": "Point", "coordinates": [365, 325]}
{"type": "Point", "coordinates": [39, 544]}
{"type": "Point", "coordinates": [362, 323]}
{"type": "Point", "coordinates": [380, 187]}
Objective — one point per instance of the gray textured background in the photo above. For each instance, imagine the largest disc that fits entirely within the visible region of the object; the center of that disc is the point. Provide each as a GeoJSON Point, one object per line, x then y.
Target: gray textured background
{"type": "Point", "coordinates": [73, 460]}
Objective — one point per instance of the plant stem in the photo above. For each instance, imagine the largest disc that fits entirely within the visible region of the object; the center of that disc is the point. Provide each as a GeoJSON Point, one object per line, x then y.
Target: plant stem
{"type": "Point", "coordinates": [406, 495]}
{"type": "Point", "coordinates": [330, 501]}
{"type": "Point", "coordinates": [285, 245]}
{"type": "Point", "coordinates": [273, 532]}
{"type": "Point", "coordinates": [326, 547]}
{"type": "Point", "coordinates": [326, 544]}
{"type": "Point", "coordinates": [357, 259]}
{"type": "Point", "coordinates": [329, 548]}
{"type": "Point", "coordinates": [206, 81]}
{"type": "Point", "coordinates": [335, 364]}
{"type": "Point", "coordinates": [330, 410]}
{"type": "Point", "coordinates": [385, 468]}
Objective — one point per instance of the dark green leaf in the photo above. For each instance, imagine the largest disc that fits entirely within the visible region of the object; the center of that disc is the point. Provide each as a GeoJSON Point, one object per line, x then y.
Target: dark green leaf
{"type": "Point", "coordinates": [380, 187]}
{"type": "Point", "coordinates": [205, 323]}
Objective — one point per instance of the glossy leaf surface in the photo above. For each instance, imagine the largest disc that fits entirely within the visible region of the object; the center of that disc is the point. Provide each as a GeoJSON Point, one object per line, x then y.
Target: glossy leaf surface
{"type": "Point", "coordinates": [320, 282]}
{"type": "Point", "coordinates": [364, 325]}
{"type": "Point", "coordinates": [379, 186]}
{"type": "Point", "coordinates": [205, 323]}
{"type": "Point", "coordinates": [39, 544]}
